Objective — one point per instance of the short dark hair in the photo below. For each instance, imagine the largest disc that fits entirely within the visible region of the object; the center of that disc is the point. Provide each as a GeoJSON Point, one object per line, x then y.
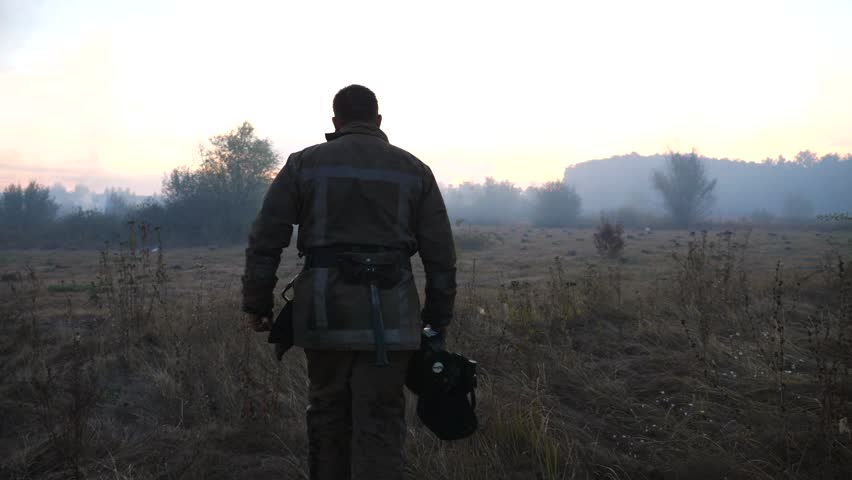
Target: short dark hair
{"type": "Point", "coordinates": [355, 103]}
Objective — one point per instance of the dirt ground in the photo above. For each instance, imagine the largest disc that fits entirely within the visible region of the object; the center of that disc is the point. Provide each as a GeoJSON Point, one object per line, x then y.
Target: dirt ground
{"type": "Point", "coordinates": [694, 355]}
{"type": "Point", "coordinates": [501, 255]}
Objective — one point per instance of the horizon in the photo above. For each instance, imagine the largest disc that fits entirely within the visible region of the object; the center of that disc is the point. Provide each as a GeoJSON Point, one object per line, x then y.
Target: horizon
{"type": "Point", "coordinates": [92, 97]}
{"type": "Point", "coordinates": [69, 187]}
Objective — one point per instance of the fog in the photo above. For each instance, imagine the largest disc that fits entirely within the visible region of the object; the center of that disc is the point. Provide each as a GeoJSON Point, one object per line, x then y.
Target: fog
{"type": "Point", "coordinates": [744, 188]}
{"type": "Point", "coordinates": [113, 200]}
{"type": "Point", "coordinates": [620, 189]}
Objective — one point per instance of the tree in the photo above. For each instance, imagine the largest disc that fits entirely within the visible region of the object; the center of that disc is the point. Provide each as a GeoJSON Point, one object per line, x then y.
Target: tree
{"type": "Point", "coordinates": [807, 158]}
{"type": "Point", "coordinates": [492, 202]}
{"type": "Point", "coordinates": [117, 202]}
{"type": "Point", "coordinates": [27, 209]}
{"type": "Point", "coordinates": [556, 204]}
{"type": "Point", "coordinates": [13, 206]}
{"type": "Point", "coordinates": [686, 190]}
{"type": "Point", "coordinates": [220, 198]}
{"type": "Point", "coordinates": [497, 202]}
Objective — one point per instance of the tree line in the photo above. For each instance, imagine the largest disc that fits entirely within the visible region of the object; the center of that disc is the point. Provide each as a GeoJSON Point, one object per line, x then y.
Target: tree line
{"type": "Point", "coordinates": [216, 202]}
{"type": "Point", "coordinates": [554, 204]}
{"type": "Point", "coordinates": [212, 204]}
{"type": "Point", "coordinates": [774, 190]}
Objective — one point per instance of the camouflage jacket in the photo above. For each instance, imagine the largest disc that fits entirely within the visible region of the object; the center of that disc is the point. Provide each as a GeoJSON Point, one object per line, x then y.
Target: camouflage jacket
{"type": "Point", "coordinates": [354, 189]}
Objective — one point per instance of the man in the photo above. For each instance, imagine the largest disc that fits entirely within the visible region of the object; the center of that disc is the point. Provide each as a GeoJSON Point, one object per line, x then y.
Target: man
{"type": "Point", "coordinates": [354, 195]}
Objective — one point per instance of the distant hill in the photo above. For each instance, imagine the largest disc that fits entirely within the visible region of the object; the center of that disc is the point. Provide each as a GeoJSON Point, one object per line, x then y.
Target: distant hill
{"type": "Point", "coordinates": [743, 187]}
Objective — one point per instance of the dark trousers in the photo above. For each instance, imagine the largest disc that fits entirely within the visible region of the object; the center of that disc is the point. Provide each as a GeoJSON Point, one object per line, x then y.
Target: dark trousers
{"type": "Point", "coordinates": [356, 416]}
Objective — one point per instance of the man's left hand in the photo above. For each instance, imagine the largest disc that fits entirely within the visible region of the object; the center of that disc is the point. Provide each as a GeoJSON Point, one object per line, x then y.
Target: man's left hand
{"type": "Point", "coordinates": [258, 323]}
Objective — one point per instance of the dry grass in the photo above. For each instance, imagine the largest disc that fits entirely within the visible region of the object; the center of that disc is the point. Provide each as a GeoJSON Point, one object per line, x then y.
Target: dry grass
{"type": "Point", "coordinates": [725, 355]}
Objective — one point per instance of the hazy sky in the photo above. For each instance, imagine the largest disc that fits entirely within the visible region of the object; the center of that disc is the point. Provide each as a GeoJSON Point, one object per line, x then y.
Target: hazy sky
{"type": "Point", "coordinates": [110, 92]}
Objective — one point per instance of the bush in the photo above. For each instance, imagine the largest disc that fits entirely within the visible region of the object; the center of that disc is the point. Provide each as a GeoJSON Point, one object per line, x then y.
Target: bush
{"type": "Point", "coordinates": [85, 228]}
{"type": "Point", "coordinates": [490, 203]}
{"type": "Point", "coordinates": [608, 239]}
{"type": "Point", "coordinates": [556, 205]}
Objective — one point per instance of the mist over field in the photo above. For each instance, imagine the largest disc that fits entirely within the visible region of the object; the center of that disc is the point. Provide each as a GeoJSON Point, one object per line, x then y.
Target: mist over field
{"type": "Point", "coordinates": [795, 189]}
{"type": "Point", "coordinates": [743, 187]}
{"type": "Point", "coordinates": [619, 189]}
{"type": "Point", "coordinates": [623, 181]}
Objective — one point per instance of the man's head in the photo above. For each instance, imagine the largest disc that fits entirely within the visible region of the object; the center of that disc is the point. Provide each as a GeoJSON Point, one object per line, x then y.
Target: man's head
{"type": "Point", "coordinates": [355, 103]}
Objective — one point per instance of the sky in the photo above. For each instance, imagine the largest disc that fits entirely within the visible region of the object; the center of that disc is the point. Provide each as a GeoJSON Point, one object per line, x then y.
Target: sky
{"type": "Point", "coordinates": [117, 93]}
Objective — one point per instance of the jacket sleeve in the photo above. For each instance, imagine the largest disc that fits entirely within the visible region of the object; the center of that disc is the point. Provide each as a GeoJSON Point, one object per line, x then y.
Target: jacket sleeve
{"type": "Point", "coordinates": [270, 234]}
{"type": "Point", "coordinates": [438, 253]}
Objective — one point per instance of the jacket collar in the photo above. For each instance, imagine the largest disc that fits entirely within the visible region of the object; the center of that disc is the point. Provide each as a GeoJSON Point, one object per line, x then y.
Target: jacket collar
{"type": "Point", "coordinates": [362, 128]}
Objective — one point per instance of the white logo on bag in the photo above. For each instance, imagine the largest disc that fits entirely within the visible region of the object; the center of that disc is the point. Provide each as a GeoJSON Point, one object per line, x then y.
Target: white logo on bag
{"type": "Point", "coordinates": [437, 367]}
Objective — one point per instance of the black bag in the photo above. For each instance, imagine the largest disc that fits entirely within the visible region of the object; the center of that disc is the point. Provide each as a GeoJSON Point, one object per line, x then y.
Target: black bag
{"type": "Point", "coordinates": [281, 333]}
{"type": "Point", "coordinates": [450, 416]}
{"type": "Point", "coordinates": [445, 384]}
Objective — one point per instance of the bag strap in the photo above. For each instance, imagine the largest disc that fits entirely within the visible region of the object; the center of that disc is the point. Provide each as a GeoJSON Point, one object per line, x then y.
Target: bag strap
{"type": "Point", "coordinates": [288, 288]}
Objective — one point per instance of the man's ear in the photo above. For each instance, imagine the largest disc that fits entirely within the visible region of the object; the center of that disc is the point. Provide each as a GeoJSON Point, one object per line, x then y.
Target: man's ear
{"type": "Point", "coordinates": [335, 122]}
{"type": "Point", "coordinates": [379, 121]}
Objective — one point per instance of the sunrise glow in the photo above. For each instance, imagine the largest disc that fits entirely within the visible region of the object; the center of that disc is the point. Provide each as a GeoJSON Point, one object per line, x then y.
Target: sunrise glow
{"type": "Point", "coordinates": [118, 93]}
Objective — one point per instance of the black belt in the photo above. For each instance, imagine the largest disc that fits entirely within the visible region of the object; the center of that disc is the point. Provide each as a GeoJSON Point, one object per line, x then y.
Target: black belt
{"type": "Point", "coordinates": [326, 257]}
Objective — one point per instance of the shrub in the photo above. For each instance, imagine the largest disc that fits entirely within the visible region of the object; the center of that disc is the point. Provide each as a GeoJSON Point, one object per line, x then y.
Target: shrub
{"type": "Point", "coordinates": [492, 202]}
{"type": "Point", "coordinates": [608, 239]}
{"type": "Point", "coordinates": [87, 228]}
{"type": "Point", "coordinates": [556, 205]}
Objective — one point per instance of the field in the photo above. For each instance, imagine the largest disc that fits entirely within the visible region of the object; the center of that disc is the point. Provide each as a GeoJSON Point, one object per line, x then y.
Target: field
{"type": "Point", "coordinates": [696, 355]}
